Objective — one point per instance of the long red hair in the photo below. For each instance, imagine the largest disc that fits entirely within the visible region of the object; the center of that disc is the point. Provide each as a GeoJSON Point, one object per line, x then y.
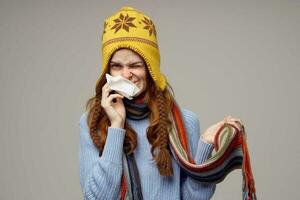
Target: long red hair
{"type": "Point", "coordinates": [159, 103]}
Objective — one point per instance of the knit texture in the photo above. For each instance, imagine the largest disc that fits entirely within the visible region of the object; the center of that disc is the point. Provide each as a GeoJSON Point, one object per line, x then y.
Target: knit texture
{"type": "Point", "coordinates": [100, 178]}
{"type": "Point", "coordinates": [132, 29]}
{"type": "Point", "coordinates": [230, 152]}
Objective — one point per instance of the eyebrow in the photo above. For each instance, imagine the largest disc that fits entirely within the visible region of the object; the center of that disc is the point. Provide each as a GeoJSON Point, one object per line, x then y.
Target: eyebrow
{"type": "Point", "coordinates": [138, 62]}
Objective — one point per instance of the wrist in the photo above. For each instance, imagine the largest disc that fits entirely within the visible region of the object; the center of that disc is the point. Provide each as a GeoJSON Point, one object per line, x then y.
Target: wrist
{"type": "Point", "coordinates": [117, 125]}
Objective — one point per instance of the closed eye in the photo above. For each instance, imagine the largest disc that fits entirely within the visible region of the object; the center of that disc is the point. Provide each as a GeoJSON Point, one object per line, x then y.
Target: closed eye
{"type": "Point", "coordinates": [136, 66]}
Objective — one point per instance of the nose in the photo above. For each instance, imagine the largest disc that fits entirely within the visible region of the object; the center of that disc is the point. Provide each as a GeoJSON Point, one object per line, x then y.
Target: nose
{"type": "Point", "coordinates": [126, 73]}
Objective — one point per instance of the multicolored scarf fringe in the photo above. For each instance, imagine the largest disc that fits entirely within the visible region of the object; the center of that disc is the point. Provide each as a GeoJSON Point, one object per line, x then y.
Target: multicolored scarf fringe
{"type": "Point", "coordinates": [230, 152]}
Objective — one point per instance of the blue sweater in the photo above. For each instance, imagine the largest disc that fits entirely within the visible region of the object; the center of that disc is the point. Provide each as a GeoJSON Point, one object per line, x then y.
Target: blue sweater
{"type": "Point", "coordinates": [100, 177]}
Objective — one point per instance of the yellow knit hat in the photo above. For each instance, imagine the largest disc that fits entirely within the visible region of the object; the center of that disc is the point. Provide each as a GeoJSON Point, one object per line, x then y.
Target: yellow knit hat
{"type": "Point", "coordinates": [130, 28]}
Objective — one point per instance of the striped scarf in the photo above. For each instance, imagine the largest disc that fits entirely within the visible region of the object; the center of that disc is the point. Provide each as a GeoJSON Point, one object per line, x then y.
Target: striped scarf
{"type": "Point", "coordinates": [230, 152]}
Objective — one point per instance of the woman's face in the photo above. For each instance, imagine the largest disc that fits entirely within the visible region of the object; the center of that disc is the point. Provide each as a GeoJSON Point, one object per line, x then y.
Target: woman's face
{"type": "Point", "coordinates": [131, 66]}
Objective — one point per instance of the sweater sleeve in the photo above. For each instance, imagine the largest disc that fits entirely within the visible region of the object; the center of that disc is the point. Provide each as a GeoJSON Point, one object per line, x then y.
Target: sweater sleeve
{"type": "Point", "coordinates": [201, 151]}
{"type": "Point", "coordinates": [100, 177]}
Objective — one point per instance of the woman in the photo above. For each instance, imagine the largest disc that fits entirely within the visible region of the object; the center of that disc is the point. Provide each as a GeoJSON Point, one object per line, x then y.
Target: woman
{"type": "Point", "coordinates": [139, 127]}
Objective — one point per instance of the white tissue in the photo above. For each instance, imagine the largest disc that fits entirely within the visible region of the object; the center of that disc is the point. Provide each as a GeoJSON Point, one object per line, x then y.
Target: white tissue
{"type": "Point", "coordinates": [122, 86]}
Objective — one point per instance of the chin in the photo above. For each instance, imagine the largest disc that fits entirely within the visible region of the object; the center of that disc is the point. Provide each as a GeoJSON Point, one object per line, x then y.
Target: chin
{"type": "Point", "coordinates": [140, 92]}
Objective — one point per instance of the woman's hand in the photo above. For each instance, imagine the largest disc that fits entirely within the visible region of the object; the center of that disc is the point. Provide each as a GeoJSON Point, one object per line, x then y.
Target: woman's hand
{"type": "Point", "coordinates": [115, 110]}
{"type": "Point", "coordinates": [210, 133]}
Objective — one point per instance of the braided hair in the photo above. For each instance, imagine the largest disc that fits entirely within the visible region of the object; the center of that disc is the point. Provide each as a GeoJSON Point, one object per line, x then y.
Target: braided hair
{"type": "Point", "coordinates": [159, 103]}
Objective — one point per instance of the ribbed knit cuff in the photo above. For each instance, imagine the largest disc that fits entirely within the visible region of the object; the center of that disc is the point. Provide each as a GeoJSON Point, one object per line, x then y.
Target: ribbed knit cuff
{"type": "Point", "coordinates": [113, 148]}
{"type": "Point", "coordinates": [203, 151]}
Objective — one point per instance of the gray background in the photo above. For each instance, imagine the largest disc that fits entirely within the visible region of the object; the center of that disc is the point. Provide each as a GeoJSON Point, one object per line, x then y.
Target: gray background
{"type": "Point", "coordinates": [221, 57]}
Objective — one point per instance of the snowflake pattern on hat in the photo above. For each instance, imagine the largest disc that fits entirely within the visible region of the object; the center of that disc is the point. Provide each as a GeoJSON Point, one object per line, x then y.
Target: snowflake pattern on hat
{"type": "Point", "coordinates": [123, 23]}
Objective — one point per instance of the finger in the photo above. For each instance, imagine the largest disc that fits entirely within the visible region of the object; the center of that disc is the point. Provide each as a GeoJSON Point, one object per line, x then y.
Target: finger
{"type": "Point", "coordinates": [235, 120]}
{"type": "Point", "coordinates": [105, 91]}
{"type": "Point", "coordinates": [235, 124]}
{"type": "Point", "coordinates": [105, 86]}
{"type": "Point", "coordinates": [112, 96]}
{"type": "Point", "coordinates": [230, 118]}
